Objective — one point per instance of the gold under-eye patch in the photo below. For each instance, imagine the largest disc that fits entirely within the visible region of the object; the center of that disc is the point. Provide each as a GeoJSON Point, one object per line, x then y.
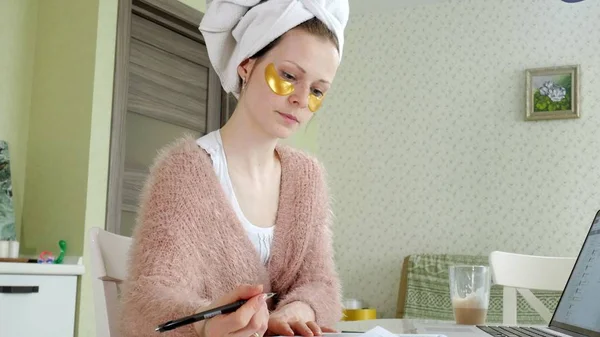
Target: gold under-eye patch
{"type": "Point", "coordinates": [314, 102]}
{"type": "Point", "coordinates": [277, 84]}
{"type": "Point", "coordinates": [282, 87]}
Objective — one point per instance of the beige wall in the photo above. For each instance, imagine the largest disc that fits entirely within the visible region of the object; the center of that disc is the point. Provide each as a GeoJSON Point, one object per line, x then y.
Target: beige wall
{"type": "Point", "coordinates": [18, 27]}
{"type": "Point", "coordinates": [59, 126]}
{"type": "Point", "coordinates": [100, 118]}
{"type": "Point", "coordinates": [199, 5]}
{"type": "Point", "coordinates": [426, 146]}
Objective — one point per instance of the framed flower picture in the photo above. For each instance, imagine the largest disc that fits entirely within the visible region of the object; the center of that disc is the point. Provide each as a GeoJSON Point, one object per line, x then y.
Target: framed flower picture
{"type": "Point", "coordinates": [552, 93]}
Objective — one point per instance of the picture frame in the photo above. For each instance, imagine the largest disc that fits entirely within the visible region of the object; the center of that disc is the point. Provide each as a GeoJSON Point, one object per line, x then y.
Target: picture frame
{"type": "Point", "coordinates": [552, 93]}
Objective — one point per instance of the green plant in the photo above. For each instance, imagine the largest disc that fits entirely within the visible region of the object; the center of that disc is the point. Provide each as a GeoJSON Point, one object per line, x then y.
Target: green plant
{"type": "Point", "coordinates": [7, 216]}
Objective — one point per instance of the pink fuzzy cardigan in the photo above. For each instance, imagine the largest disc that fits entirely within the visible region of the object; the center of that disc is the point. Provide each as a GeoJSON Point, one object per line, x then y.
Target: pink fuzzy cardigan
{"type": "Point", "coordinates": [189, 247]}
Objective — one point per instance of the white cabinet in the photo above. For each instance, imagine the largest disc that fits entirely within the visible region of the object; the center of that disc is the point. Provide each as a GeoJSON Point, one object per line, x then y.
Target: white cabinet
{"type": "Point", "coordinates": [38, 300]}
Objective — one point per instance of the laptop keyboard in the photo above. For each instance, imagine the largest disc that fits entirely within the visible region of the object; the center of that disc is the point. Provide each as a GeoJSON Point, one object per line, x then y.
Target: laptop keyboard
{"type": "Point", "coordinates": [509, 331]}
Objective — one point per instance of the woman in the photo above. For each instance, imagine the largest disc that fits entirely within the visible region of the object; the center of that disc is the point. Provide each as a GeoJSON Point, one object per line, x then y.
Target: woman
{"type": "Point", "coordinates": [234, 215]}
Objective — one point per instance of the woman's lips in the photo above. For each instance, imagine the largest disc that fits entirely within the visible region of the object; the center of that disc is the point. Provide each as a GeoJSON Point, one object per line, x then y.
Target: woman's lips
{"type": "Point", "coordinates": [289, 117]}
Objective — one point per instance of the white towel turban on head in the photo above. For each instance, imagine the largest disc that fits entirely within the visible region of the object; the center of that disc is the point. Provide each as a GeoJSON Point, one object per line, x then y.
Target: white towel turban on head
{"type": "Point", "coordinates": [234, 30]}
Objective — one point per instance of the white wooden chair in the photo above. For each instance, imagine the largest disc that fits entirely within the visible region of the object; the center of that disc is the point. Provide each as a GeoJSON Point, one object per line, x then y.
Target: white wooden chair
{"type": "Point", "coordinates": [517, 272]}
{"type": "Point", "coordinates": [109, 268]}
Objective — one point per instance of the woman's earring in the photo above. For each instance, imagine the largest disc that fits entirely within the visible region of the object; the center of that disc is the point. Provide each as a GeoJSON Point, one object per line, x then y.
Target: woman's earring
{"type": "Point", "coordinates": [244, 83]}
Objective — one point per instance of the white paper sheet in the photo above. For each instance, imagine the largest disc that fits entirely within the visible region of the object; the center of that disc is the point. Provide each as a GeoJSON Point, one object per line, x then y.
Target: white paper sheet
{"type": "Point", "coordinates": [379, 332]}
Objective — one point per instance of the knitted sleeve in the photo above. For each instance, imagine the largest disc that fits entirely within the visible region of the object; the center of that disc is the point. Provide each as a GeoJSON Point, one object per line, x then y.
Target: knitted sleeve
{"type": "Point", "coordinates": [317, 283]}
{"type": "Point", "coordinates": [163, 279]}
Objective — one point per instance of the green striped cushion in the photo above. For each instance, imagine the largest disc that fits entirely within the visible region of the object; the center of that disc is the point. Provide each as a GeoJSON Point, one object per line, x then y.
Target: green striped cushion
{"type": "Point", "coordinates": [428, 295]}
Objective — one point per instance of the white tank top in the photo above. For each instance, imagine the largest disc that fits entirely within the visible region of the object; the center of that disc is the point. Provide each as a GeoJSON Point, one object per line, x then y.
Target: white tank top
{"type": "Point", "coordinates": [261, 238]}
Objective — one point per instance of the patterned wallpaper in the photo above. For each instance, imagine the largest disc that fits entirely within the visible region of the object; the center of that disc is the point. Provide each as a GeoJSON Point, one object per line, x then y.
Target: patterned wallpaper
{"type": "Point", "coordinates": [427, 149]}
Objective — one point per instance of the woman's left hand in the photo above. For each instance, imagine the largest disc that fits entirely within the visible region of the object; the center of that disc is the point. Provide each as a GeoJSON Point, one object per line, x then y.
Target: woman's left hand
{"type": "Point", "coordinates": [295, 319]}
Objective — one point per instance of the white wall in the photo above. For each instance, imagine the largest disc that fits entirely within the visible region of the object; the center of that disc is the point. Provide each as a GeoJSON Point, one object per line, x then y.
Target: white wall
{"type": "Point", "coordinates": [427, 149]}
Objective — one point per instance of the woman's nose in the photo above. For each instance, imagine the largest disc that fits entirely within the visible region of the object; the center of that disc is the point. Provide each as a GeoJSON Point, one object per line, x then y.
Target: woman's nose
{"type": "Point", "coordinates": [299, 97]}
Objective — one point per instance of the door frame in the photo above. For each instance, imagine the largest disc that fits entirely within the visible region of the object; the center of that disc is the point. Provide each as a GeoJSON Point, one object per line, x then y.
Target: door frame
{"type": "Point", "coordinates": [173, 15]}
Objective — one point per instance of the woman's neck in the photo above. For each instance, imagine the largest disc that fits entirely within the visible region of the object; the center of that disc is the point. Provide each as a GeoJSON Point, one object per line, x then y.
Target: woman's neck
{"type": "Point", "coordinates": [248, 148]}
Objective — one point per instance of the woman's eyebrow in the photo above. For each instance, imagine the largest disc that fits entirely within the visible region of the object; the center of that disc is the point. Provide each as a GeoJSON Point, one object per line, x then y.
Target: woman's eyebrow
{"type": "Point", "coordinates": [304, 71]}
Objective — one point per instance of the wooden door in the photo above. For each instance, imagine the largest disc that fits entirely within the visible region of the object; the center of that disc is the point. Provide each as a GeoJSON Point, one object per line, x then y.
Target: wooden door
{"type": "Point", "coordinates": [168, 89]}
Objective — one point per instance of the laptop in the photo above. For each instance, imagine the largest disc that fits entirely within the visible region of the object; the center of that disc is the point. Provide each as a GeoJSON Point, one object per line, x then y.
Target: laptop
{"type": "Point", "coordinates": [577, 313]}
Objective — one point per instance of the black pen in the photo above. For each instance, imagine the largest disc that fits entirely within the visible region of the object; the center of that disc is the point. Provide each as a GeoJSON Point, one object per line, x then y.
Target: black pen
{"type": "Point", "coordinates": [224, 309]}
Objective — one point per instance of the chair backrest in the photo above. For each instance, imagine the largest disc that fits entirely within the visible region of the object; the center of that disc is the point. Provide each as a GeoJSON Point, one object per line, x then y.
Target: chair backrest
{"type": "Point", "coordinates": [425, 289]}
{"type": "Point", "coordinates": [109, 268]}
{"type": "Point", "coordinates": [518, 272]}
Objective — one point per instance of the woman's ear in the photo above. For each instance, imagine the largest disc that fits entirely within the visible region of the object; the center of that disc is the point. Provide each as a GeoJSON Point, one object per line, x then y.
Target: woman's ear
{"type": "Point", "coordinates": [245, 69]}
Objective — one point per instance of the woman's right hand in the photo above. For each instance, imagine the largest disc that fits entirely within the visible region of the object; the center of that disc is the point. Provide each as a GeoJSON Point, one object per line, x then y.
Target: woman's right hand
{"type": "Point", "coordinates": [250, 320]}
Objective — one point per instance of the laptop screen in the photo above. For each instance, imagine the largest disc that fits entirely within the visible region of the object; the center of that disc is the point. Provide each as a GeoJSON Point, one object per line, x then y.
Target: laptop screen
{"type": "Point", "coordinates": [579, 307]}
